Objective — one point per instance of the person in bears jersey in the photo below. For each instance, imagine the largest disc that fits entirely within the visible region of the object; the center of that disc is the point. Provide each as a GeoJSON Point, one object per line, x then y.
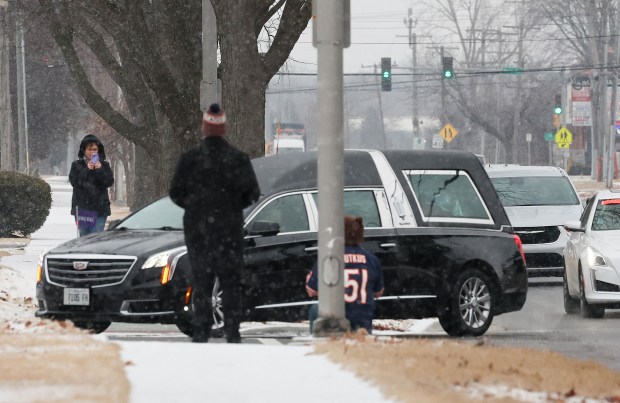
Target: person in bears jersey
{"type": "Point", "coordinates": [363, 278]}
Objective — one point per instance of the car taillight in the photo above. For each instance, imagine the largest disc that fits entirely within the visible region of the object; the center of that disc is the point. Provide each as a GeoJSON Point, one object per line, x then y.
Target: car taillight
{"type": "Point", "coordinates": [519, 245]}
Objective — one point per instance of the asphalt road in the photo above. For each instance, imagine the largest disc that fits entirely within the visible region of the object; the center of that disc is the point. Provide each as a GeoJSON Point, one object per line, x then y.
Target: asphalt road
{"type": "Point", "coordinates": [541, 324]}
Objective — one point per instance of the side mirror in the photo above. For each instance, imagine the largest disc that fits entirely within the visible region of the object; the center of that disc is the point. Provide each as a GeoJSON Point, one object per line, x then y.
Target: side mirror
{"type": "Point", "coordinates": [264, 228]}
{"type": "Point", "coordinates": [574, 226]}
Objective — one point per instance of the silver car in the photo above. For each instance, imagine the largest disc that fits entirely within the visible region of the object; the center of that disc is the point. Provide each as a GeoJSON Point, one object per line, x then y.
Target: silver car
{"type": "Point", "coordinates": [592, 255]}
{"type": "Point", "coordinates": [538, 201]}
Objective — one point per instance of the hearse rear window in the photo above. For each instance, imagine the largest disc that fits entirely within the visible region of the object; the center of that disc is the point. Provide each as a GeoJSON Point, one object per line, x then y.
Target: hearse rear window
{"type": "Point", "coordinates": [447, 196]}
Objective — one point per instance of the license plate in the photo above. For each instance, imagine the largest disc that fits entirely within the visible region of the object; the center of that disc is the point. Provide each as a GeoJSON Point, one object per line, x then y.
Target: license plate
{"type": "Point", "coordinates": [76, 296]}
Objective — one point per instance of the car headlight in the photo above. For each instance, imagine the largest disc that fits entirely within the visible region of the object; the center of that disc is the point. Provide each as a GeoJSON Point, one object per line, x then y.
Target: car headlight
{"type": "Point", "coordinates": [166, 261]}
{"type": "Point", "coordinates": [595, 258]}
{"type": "Point", "coordinates": [161, 259]}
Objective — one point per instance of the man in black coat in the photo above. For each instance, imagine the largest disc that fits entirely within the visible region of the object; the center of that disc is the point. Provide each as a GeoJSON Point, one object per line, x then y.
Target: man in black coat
{"type": "Point", "coordinates": [214, 182]}
{"type": "Point", "coordinates": [90, 176]}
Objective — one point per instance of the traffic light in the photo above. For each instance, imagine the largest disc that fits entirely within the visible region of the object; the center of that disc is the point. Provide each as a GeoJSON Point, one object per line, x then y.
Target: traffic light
{"type": "Point", "coordinates": [557, 106]}
{"type": "Point", "coordinates": [446, 65]}
{"type": "Point", "coordinates": [386, 74]}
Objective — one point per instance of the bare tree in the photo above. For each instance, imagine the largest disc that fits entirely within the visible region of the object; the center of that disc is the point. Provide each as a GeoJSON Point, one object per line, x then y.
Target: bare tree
{"type": "Point", "coordinates": [152, 50]}
{"type": "Point", "coordinates": [478, 42]}
{"type": "Point", "coordinates": [586, 26]}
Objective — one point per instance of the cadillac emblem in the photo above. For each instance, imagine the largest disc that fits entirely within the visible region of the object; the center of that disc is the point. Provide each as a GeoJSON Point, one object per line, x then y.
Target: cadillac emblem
{"type": "Point", "coordinates": [80, 265]}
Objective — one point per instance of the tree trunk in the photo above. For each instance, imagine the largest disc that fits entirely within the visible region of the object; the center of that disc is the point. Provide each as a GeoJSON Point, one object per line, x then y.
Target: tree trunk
{"type": "Point", "coordinates": [7, 143]}
{"type": "Point", "coordinates": [243, 80]}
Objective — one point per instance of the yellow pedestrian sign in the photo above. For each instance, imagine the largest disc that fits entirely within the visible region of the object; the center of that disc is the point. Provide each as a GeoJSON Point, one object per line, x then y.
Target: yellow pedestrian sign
{"type": "Point", "coordinates": [563, 137]}
{"type": "Point", "coordinates": [448, 132]}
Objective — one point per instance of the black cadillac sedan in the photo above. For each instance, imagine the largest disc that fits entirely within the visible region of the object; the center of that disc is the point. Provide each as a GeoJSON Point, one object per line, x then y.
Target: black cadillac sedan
{"type": "Point", "coordinates": [432, 218]}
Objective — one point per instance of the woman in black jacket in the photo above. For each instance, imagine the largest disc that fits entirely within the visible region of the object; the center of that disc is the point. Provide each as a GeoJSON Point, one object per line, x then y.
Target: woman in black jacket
{"type": "Point", "coordinates": [90, 176]}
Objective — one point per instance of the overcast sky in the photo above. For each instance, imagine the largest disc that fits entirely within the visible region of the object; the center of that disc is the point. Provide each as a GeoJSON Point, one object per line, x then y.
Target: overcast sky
{"type": "Point", "coordinates": [376, 29]}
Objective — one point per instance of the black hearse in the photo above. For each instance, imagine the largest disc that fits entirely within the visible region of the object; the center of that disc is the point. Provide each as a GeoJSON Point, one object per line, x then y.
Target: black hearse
{"type": "Point", "coordinates": [432, 217]}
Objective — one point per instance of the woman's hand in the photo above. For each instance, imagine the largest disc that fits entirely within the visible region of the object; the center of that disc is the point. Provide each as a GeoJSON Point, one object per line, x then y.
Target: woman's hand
{"type": "Point", "coordinates": [91, 166]}
{"type": "Point", "coordinates": [98, 165]}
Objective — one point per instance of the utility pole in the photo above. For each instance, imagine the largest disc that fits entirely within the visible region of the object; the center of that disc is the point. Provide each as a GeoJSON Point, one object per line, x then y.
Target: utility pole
{"type": "Point", "coordinates": [331, 33]}
{"type": "Point", "coordinates": [22, 110]}
{"type": "Point", "coordinates": [611, 156]}
{"type": "Point", "coordinates": [210, 86]}
{"type": "Point", "coordinates": [443, 94]}
{"type": "Point", "coordinates": [413, 39]}
{"type": "Point", "coordinates": [7, 143]}
{"type": "Point", "coordinates": [378, 86]}
{"type": "Point", "coordinates": [414, 85]}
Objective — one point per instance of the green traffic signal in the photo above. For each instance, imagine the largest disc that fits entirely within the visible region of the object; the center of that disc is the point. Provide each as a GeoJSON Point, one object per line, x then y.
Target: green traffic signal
{"type": "Point", "coordinates": [386, 74]}
{"type": "Point", "coordinates": [557, 106]}
{"type": "Point", "coordinates": [447, 67]}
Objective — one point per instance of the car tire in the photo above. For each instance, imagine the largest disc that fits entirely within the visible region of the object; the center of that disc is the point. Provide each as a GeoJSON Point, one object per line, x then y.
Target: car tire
{"type": "Point", "coordinates": [184, 323]}
{"type": "Point", "coordinates": [571, 305]}
{"type": "Point", "coordinates": [469, 305]}
{"type": "Point", "coordinates": [588, 310]}
{"type": "Point", "coordinates": [91, 326]}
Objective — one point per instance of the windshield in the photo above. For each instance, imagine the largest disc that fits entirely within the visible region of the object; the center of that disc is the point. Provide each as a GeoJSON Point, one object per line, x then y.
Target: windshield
{"type": "Point", "coordinates": [535, 191]}
{"type": "Point", "coordinates": [607, 216]}
{"type": "Point", "coordinates": [162, 214]}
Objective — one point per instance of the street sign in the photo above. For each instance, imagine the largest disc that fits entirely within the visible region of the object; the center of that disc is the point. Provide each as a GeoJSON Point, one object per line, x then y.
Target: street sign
{"type": "Point", "coordinates": [563, 137]}
{"type": "Point", "coordinates": [528, 137]}
{"type": "Point", "coordinates": [448, 132]}
{"type": "Point", "coordinates": [437, 142]}
{"type": "Point", "coordinates": [549, 136]}
{"type": "Point", "coordinates": [513, 70]}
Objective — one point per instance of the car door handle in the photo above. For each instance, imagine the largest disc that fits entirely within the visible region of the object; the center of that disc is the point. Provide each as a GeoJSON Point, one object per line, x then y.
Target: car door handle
{"type": "Point", "coordinates": [311, 249]}
{"type": "Point", "coordinates": [388, 245]}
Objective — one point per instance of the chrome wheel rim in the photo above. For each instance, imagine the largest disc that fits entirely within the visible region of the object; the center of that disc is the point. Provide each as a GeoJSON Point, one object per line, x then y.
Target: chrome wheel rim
{"type": "Point", "coordinates": [216, 303]}
{"type": "Point", "coordinates": [475, 302]}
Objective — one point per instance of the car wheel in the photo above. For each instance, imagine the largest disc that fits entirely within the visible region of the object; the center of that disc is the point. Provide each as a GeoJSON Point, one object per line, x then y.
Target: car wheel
{"type": "Point", "coordinates": [218, 314]}
{"type": "Point", "coordinates": [469, 309]}
{"type": "Point", "coordinates": [588, 310]}
{"type": "Point", "coordinates": [184, 323]}
{"type": "Point", "coordinates": [93, 327]}
{"type": "Point", "coordinates": [571, 305]}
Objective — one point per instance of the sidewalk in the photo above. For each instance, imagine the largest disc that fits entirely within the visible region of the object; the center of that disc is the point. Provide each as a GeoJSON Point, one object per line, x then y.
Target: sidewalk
{"type": "Point", "coordinates": [587, 186]}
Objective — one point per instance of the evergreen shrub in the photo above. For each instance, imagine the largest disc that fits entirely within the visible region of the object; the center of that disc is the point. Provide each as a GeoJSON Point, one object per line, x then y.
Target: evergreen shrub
{"type": "Point", "coordinates": [25, 203]}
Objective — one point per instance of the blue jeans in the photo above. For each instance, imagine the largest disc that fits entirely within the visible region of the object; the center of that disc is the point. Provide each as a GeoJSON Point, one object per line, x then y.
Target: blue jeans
{"type": "Point", "coordinates": [356, 323]}
{"type": "Point", "coordinates": [98, 227]}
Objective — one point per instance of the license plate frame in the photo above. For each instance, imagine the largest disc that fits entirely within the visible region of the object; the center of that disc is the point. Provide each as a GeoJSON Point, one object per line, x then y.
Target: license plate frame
{"type": "Point", "coordinates": [76, 296]}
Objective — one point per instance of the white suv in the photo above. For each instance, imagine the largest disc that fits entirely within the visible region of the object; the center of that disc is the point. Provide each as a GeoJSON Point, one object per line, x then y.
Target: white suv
{"type": "Point", "coordinates": [538, 201]}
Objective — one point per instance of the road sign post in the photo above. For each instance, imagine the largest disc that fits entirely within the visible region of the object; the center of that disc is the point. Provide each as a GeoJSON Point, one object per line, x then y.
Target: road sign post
{"type": "Point", "coordinates": [528, 138]}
